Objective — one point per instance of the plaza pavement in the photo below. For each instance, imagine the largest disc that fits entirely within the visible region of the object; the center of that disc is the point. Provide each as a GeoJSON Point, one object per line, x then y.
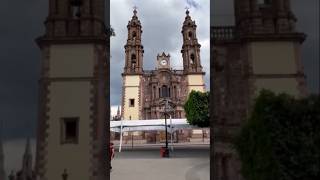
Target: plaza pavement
{"type": "Point", "coordinates": [143, 162]}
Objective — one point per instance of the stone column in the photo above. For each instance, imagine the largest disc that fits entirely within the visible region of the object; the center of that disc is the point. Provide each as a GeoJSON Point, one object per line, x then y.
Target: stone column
{"type": "Point", "coordinates": [218, 167]}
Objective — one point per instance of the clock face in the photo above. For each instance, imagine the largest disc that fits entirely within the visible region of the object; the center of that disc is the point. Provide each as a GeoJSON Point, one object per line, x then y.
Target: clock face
{"type": "Point", "coordinates": [163, 62]}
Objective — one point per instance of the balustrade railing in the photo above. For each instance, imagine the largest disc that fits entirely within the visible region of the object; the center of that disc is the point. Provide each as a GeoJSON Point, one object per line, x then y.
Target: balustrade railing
{"type": "Point", "coordinates": [223, 33]}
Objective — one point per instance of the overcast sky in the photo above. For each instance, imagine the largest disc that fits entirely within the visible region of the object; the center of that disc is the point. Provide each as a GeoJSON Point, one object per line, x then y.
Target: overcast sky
{"type": "Point", "coordinates": [161, 24]}
{"type": "Point", "coordinates": [22, 22]}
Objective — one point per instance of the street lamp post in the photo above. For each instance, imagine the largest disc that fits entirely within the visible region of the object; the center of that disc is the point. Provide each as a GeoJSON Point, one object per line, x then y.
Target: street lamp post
{"type": "Point", "coordinates": [166, 108]}
{"type": "Point", "coordinates": [165, 121]}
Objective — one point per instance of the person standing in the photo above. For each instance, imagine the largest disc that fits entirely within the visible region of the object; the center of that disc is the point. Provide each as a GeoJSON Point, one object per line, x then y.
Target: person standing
{"type": "Point", "coordinates": [111, 149]}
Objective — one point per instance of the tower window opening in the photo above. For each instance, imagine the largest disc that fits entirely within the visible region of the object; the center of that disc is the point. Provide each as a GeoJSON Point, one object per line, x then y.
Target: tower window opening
{"type": "Point", "coordinates": [69, 130]}
{"type": "Point", "coordinates": [190, 35]}
{"type": "Point", "coordinates": [75, 8]}
{"type": "Point", "coordinates": [131, 102]}
{"type": "Point", "coordinates": [133, 58]}
{"type": "Point", "coordinates": [133, 61]}
{"type": "Point", "coordinates": [75, 12]}
{"type": "Point", "coordinates": [192, 58]}
{"type": "Point", "coordinates": [134, 35]}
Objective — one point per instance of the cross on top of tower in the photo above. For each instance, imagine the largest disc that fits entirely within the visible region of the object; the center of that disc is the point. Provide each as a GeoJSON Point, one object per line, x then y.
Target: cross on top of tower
{"type": "Point", "coordinates": [187, 10]}
{"type": "Point", "coordinates": [135, 10]}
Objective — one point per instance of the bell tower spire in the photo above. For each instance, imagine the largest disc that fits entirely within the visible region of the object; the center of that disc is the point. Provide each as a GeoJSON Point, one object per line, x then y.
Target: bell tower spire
{"type": "Point", "coordinates": [75, 19]}
{"type": "Point", "coordinates": [133, 48]}
{"type": "Point", "coordinates": [264, 17]}
{"type": "Point", "coordinates": [190, 48]}
{"type": "Point", "coordinates": [191, 55]}
{"type": "Point", "coordinates": [27, 171]}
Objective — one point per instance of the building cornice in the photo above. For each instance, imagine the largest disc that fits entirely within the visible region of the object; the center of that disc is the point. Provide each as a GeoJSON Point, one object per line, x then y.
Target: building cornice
{"type": "Point", "coordinates": [44, 40]}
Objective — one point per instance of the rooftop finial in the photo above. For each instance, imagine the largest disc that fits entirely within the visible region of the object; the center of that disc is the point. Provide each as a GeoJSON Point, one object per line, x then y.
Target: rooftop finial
{"type": "Point", "coordinates": [187, 10]}
{"type": "Point", "coordinates": [135, 10]}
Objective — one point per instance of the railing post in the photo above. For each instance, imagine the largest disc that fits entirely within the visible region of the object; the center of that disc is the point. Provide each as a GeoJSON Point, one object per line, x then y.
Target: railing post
{"type": "Point", "coordinates": [222, 33]}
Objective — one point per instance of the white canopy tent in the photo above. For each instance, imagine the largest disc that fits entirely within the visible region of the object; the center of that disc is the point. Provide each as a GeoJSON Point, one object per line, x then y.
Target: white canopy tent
{"type": "Point", "coordinates": [148, 125]}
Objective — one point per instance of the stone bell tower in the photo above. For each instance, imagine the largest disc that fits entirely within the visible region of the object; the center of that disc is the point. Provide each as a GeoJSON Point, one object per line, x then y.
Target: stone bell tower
{"type": "Point", "coordinates": [191, 55]}
{"type": "Point", "coordinates": [272, 46]}
{"type": "Point", "coordinates": [261, 51]}
{"type": "Point", "coordinates": [71, 137]}
{"type": "Point", "coordinates": [133, 70]}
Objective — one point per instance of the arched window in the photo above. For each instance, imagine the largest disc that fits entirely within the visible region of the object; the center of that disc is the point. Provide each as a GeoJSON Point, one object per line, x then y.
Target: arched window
{"type": "Point", "coordinates": [134, 35]}
{"type": "Point", "coordinates": [133, 58]}
{"type": "Point", "coordinates": [164, 91]}
{"type": "Point", "coordinates": [133, 61]}
{"type": "Point", "coordinates": [190, 35]}
{"type": "Point", "coordinates": [75, 12]}
{"type": "Point", "coordinates": [154, 92]}
{"type": "Point", "coordinates": [192, 59]}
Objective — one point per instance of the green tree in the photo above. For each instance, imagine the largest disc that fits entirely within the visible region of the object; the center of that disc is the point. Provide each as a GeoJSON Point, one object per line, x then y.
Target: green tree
{"type": "Point", "coordinates": [281, 139]}
{"type": "Point", "coordinates": [197, 108]}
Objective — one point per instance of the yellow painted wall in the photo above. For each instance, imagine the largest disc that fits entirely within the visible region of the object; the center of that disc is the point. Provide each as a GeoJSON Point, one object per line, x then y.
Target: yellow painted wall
{"type": "Point", "coordinates": [287, 85]}
{"type": "Point", "coordinates": [71, 60]}
{"type": "Point", "coordinates": [68, 99]}
{"type": "Point", "coordinates": [273, 57]}
{"type": "Point", "coordinates": [195, 82]}
{"type": "Point", "coordinates": [131, 91]}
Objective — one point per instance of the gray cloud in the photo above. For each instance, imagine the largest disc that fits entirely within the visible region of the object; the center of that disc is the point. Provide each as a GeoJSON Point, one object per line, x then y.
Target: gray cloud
{"type": "Point", "coordinates": [192, 3]}
{"type": "Point", "coordinates": [307, 13]}
{"type": "Point", "coordinates": [20, 57]}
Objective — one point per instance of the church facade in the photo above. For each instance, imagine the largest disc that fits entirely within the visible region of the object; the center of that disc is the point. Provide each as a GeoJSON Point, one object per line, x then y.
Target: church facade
{"type": "Point", "coordinates": [144, 90]}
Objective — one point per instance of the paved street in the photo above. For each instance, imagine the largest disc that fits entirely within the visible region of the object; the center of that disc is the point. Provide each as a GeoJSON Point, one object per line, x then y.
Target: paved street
{"type": "Point", "coordinates": [187, 162]}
